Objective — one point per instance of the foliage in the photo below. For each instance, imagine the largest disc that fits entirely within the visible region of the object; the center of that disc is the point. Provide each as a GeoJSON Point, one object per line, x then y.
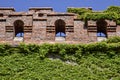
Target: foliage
{"type": "Point", "coordinates": [5, 49]}
{"type": "Point", "coordinates": [112, 13]}
{"type": "Point", "coordinates": [114, 39]}
{"type": "Point", "coordinates": [28, 49]}
{"type": "Point", "coordinates": [113, 9]}
{"type": "Point", "coordinates": [44, 50]}
{"type": "Point", "coordinates": [80, 11]}
{"type": "Point", "coordinates": [31, 67]}
{"type": "Point", "coordinates": [99, 15]}
{"type": "Point", "coordinates": [118, 19]}
{"type": "Point", "coordinates": [99, 61]}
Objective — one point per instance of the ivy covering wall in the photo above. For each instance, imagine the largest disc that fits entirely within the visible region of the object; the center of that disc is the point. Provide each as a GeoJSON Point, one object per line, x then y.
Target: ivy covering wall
{"type": "Point", "coordinates": [94, 61]}
{"type": "Point", "coordinates": [111, 13]}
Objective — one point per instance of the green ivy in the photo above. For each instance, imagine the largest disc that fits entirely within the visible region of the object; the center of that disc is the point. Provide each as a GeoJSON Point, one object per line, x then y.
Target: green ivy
{"type": "Point", "coordinates": [64, 51]}
{"type": "Point", "coordinates": [111, 13]}
{"type": "Point", "coordinates": [100, 15]}
{"type": "Point", "coordinates": [94, 61]}
{"type": "Point", "coordinates": [80, 11]}
{"type": "Point", "coordinates": [113, 9]}
{"type": "Point", "coordinates": [118, 19]}
{"type": "Point", "coordinates": [114, 39]}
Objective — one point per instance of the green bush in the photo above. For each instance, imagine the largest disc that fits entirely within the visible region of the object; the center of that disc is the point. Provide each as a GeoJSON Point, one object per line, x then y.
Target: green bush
{"type": "Point", "coordinates": [114, 47]}
{"type": "Point", "coordinates": [4, 49]}
{"type": "Point", "coordinates": [114, 39]}
{"type": "Point", "coordinates": [28, 49]}
{"type": "Point", "coordinates": [44, 50]}
{"type": "Point", "coordinates": [95, 61]}
{"type": "Point", "coordinates": [66, 51]}
{"type": "Point", "coordinates": [96, 47]}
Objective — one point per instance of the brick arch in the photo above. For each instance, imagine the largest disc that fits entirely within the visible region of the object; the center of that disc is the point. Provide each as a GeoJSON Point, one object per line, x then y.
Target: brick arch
{"type": "Point", "coordinates": [102, 27]}
{"type": "Point", "coordinates": [60, 26]}
{"type": "Point", "coordinates": [18, 27]}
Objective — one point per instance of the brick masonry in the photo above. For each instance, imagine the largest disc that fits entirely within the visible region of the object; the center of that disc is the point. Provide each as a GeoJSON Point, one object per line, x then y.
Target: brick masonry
{"type": "Point", "coordinates": [39, 26]}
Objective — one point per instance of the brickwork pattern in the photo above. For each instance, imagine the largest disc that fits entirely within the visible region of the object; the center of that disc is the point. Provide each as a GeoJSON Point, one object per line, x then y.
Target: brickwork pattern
{"type": "Point", "coordinates": [39, 26]}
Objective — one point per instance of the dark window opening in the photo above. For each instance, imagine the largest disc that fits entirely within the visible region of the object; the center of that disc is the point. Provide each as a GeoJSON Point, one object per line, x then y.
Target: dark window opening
{"type": "Point", "coordinates": [2, 20]}
{"type": "Point", "coordinates": [40, 15]}
{"type": "Point", "coordinates": [60, 28]}
{"type": "Point", "coordinates": [1, 15]}
{"type": "Point", "coordinates": [101, 28]}
{"type": "Point", "coordinates": [18, 27]}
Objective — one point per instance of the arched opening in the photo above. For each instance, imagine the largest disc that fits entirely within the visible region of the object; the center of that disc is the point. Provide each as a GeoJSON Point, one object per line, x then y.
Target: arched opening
{"type": "Point", "coordinates": [18, 30]}
{"type": "Point", "coordinates": [101, 30]}
{"type": "Point", "coordinates": [60, 29]}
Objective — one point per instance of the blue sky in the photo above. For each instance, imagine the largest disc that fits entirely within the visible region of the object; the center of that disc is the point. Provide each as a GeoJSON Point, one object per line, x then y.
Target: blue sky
{"type": "Point", "coordinates": [58, 5]}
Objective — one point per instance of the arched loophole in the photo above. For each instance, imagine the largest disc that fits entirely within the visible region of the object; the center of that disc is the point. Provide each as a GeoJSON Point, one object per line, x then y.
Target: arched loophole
{"type": "Point", "coordinates": [18, 27]}
{"type": "Point", "coordinates": [101, 28]}
{"type": "Point", "coordinates": [60, 28]}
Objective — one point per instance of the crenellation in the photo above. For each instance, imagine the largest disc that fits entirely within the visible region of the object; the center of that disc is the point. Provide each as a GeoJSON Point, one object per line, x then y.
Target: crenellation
{"type": "Point", "coordinates": [42, 24]}
{"type": "Point", "coordinates": [41, 9]}
{"type": "Point", "coordinates": [7, 10]}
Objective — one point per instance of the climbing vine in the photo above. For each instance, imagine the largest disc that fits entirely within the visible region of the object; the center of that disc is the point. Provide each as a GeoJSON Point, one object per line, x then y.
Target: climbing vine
{"type": "Point", "coordinates": [99, 15]}
{"type": "Point", "coordinates": [111, 13]}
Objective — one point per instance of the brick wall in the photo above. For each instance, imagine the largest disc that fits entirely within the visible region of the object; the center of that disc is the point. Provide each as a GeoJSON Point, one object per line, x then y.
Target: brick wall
{"type": "Point", "coordinates": [79, 31]}
{"type": "Point", "coordinates": [26, 19]}
{"type": "Point", "coordinates": [67, 19]}
{"type": "Point", "coordinates": [39, 30]}
{"type": "Point", "coordinates": [51, 19]}
{"type": "Point", "coordinates": [39, 26]}
{"type": "Point", "coordinates": [118, 30]}
{"type": "Point", "coordinates": [2, 30]}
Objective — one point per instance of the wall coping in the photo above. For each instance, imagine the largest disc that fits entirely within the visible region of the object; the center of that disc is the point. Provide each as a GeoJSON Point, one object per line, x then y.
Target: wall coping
{"type": "Point", "coordinates": [20, 14]}
{"type": "Point", "coordinates": [61, 14]}
{"type": "Point", "coordinates": [7, 8]}
{"type": "Point", "coordinates": [41, 8]}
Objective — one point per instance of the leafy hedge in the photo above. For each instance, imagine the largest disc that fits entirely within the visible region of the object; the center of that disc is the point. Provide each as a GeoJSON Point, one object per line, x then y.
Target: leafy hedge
{"type": "Point", "coordinates": [114, 39]}
{"type": "Point", "coordinates": [95, 61]}
{"type": "Point", "coordinates": [70, 52]}
{"type": "Point", "coordinates": [5, 49]}
{"type": "Point", "coordinates": [112, 13]}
